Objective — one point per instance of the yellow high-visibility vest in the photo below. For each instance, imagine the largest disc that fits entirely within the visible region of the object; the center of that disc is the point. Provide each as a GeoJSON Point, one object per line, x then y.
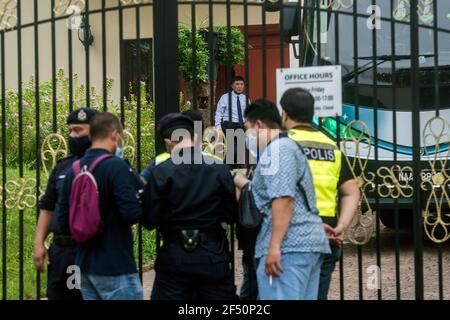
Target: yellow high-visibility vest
{"type": "Point", "coordinates": [324, 159]}
{"type": "Point", "coordinates": [163, 157]}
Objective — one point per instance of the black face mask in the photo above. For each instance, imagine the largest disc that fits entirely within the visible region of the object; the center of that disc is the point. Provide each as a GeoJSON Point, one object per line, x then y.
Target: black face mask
{"type": "Point", "coordinates": [77, 146]}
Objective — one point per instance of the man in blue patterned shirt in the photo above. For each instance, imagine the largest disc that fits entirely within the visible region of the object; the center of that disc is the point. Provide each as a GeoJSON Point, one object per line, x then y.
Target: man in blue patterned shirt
{"type": "Point", "coordinates": [292, 240]}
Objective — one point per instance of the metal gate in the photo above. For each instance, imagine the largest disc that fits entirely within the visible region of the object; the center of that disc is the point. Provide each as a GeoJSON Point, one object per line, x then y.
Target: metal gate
{"type": "Point", "coordinates": [142, 59]}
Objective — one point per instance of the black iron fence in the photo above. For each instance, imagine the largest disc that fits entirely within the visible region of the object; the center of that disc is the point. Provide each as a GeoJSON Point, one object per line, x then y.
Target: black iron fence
{"type": "Point", "coordinates": [143, 59]}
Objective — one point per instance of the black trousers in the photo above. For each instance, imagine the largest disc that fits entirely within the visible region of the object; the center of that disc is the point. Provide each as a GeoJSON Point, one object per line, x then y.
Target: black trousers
{"type": "Point", "coordinates": [200, 275]}
{"type": "Point", "coordinates": [233, 161]}
{"type": "Point", "coordinates": [249, 288]}
{"type": "Point", "coordinates": [60, 259]}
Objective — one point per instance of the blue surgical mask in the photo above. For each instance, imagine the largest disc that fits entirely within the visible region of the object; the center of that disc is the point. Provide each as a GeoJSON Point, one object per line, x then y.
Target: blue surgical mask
{"type": "Point", "coordinates": [251, 143]}
{"type": "Point", "coordinates": [119, 150]}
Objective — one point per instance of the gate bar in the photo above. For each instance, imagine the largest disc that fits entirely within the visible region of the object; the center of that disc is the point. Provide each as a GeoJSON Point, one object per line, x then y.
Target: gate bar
{"type": "Point", "coordinates": [394, 135]}
{"type": "Point", "coordinates": [418, 245]}
{"type": "Point", "coordinates": [165, 26]}
{"type": "Point", "coordinates": [38, 134]}
{"type": "Point", "coordinates": [437, 104]}
{"type": "Point", "coordinates": [4, 248]}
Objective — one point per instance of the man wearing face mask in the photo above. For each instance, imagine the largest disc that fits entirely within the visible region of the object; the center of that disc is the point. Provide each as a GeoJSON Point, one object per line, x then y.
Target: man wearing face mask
{"type": "Point", "coordinates": [62, 251]}
{"type": "Point", "coordinates": [266, 110]}
{"type": "Point", "coordinates": [107, 264]}
{"type": "Point", "coordinates": [291, 240]}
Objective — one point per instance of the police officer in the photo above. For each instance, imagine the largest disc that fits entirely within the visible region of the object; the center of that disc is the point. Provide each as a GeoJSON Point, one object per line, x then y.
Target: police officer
{"type": "Point", "coordinates": [190, 197]}
{"type": "Point", "coordinates": [61, 254]}
{"type": "Point", "coordinates": [331, 175]}
{"type": "Point", "coordinates": [197, 117]}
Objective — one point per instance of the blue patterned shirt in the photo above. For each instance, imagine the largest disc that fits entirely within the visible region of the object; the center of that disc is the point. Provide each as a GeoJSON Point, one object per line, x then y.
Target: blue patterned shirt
{"type": "Point", "coordinates": [281, 167]}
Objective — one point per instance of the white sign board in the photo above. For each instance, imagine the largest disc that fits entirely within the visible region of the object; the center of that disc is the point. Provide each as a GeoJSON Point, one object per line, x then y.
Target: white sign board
{"type": "Point", "coordinates": [324, 83]}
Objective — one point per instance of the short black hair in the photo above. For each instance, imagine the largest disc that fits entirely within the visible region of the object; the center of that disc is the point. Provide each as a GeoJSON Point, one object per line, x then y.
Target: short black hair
{"type": "Point", "coordinates": [298, 103]}
{"type": "Point", "coordinates": [103, 124]}
{"type": "Point", "coordinates": [237, 78]}
{"type": "Point", "coordinates": [265, 111]}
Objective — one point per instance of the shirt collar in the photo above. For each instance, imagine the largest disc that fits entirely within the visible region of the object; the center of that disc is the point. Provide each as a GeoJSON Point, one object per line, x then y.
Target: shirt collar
{"type": "Point", "coordinates": [305, 127]}
{"type": "Point", "coordinates": [96, 151]}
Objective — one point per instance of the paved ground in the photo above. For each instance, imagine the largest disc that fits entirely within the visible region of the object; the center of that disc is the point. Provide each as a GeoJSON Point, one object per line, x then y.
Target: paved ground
{"type": "Point", "coordinates": [351, 271]}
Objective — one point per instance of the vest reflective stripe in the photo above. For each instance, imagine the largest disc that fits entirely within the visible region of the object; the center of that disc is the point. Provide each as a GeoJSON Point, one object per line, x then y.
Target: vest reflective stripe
{"type": "Point", "coordinates": [162, 158]}
{"type": "Point", "coordinates": [212, 156]}
{"type": "Point", "coordinates": [166, 156]}
{"type": "Point", "coordinates": [324, 159]}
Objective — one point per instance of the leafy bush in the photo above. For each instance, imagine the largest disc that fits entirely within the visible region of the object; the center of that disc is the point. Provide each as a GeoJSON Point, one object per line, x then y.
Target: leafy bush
{"type": "Point", "coordinates": [51, 118]}
{"type": "Point", "coordinates": [185, 50]}
{"type": "Point", "coordinates": [185, 55]}
{"type": "Point", "coordinates": [237, 48]}
{"type": "Point", "coordinates": [14, 238]}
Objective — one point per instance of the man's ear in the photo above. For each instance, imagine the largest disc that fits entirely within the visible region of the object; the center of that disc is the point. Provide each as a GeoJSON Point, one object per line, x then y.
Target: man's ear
{"type": "Point", "coordinates": [168, 144]}
{"type": "Point", "coordinates": [260, 125]}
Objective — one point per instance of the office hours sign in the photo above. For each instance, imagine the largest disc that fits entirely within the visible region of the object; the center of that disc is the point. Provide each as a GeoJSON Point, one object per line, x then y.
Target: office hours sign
{"type": "Point", "coordinates": [324, 83]}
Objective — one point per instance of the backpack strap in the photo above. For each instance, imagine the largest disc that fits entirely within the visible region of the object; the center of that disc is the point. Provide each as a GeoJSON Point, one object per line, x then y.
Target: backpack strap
{"type": "Point", "coordinates": [98, 160]}
{"type": "Point", "coordinates": [76, 168]}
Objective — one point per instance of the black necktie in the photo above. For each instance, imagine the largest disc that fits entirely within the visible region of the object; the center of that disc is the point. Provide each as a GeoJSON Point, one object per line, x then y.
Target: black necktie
{"type": "Point", "coordinates": [241, 119]}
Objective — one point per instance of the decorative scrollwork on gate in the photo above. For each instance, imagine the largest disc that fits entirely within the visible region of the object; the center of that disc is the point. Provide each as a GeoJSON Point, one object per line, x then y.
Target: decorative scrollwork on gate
{"type": "Point", "coordinates": [436, 213]}
{"type": "Point", "coordinates": [357, 140]}
{"type": "Point", "coordinates": [424, 11]}
{"type": "Point", "coordinates": [338, 4]}
{"type": "Point", "coordinates": [129, 148]}
{"type": "Point", "coordinates": [8, 14]}
{"type": "Point", "coordinates": [21, 194]}
{"type": "Point", "coordinates": [392, 186]}
{"type": "Point", "coordinates": [214, 142]}
{"type": "Point", "coordinates": [129, 2]}
{"type": "Point", "coordinates": [53, 149]}
{"type": "Point", "coordinates": [62, 7]}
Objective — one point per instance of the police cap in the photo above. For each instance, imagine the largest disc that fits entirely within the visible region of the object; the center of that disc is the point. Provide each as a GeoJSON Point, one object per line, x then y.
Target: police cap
{"type": "Point", "coordinates": [173, 121]}
{"type": "Point", "coordinates": [81, 116]}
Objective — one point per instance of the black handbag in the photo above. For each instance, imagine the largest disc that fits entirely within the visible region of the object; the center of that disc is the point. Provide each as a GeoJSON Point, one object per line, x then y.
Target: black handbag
{"type": "Point", "coordinates": [250, 218]}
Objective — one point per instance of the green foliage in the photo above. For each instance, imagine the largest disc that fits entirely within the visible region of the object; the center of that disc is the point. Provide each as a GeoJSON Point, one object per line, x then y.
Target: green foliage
{"type": "Point", "coordinates": [185, 55]}
{"type": "Point", "coordinates": [237, 48]}
{"type": "Point", "coordinates": [51, 117]}
{"type": "Point", "coordinates": [185, 50]}
{"type": "Point", "coordinates": [13, 254]}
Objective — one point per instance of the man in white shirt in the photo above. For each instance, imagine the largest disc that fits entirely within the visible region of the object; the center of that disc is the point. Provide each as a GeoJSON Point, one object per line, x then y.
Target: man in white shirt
{"type": "Point", "coordinates": [232, 116]}
{"type": "Point", "coordinates": [235, 115]}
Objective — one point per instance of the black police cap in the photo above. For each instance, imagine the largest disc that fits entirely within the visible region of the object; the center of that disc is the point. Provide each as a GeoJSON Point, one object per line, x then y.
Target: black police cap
{"type": "Point", "coordinates": [81, 116]}
{"type": "Point", "coordinates": [195, 115]}
{"type": "Point", "coordinates": [173, 121]}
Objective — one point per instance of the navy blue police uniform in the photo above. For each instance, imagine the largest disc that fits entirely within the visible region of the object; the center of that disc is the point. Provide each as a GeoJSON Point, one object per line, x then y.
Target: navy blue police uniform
{"type": "Point", "coordinates": [191, 204]}
{"type": "Point", "coordinates": [62, 251]}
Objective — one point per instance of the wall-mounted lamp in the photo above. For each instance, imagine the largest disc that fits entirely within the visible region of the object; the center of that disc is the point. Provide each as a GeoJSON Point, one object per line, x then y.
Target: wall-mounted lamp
{"type": "Point", "coordinates": [273, 5]}
{"type": "Point", "coordinates": [84, 33]}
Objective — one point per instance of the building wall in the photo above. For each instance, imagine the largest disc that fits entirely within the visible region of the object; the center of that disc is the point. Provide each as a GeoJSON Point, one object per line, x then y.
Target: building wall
{"type": "Point", "coordinates": [62, 34]}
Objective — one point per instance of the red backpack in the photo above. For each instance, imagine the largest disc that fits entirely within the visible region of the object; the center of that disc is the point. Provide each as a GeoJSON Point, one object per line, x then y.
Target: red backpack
{"type": "Point", "coordinates": [85, 220]}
